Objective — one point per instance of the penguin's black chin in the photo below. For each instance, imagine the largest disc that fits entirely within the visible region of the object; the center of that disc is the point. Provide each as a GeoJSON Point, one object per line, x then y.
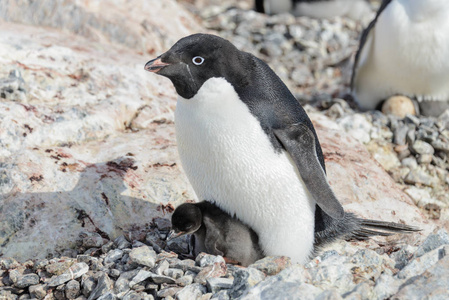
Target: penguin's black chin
{"type": "Point", "coordinates": [155, 65]}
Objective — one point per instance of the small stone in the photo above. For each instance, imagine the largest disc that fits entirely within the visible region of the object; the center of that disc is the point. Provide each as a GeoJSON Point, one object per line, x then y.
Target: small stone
{"type": "Point", "coordinates": [72, 289]}
{"type": "Point", "coordinates": [214, 285]}
{"type": "Point", "coordinates": [432, 242]}
{"type": "Point", "coordinates": [113, 256]}
{"type": "Point", "coordinates": [37, 291]}
{"type": "Point", "coordinates": [185, 280]}
{"type": "Point", "coordinates": [204, 259]}
{"type": "Point", "coordinates": [400, 134]}
{"type": "Point", "coordinates": [271, 265]}
{"type": "Point", "coordinates": [58, 293]}
{"type": "Point", "coordinates": [107, 296]}
{"type": "Point", "coordinates": [8, 263]}
{"type": "Point", "coordinates": [185, 265]}
{"type": "Point", "coordinates": [440, 145]}
{"type": "Point", "coordinates": [103, 287]}
{"type": "Point", "coordinates": [425, 158]}
{"type": "Point", "coordinates": [409, 162]}
{"type": "Point", "coordinates": [122, 283]}
{"type": "Point", "coordinates": [174, 273]}
{"type": "Point", "coordinates": [245, 279]}
{"type": "Point", "coordinates": [141, 276]}
{"type": "Point", "coordinates": [221, 295]}
{"type": "Point", "coordinates": [403, 256]}
{"type": "Point", "coordinates": [121, 242]}
{"type": "Point", "coordinates": [191, 292]}
{"type": "Point", "coordinates": [27, 280]}
{"type": "Point", "coordinates": [107, 247]}
{"type": "Point", "coordinates": [168, 292]}
{"type": "Point", "coordinates": [114, 273]}
{"type": "Point", "coordinates": [162, 279]}
{"type": "Point", "coordinates": [421, 264]}
{"type": "Point", "coordinates": [143, 256]}
{"type": "Point", "coordinates": [421, 147]}
{"type": "Point", "coordinates": [15, 274]}
{"type": "Point", "coordinates": [73, 272]}
{"type": "Point", "coordinates": [420, 176]}
{"type": "Point", "coordinates": [41, 264]}
{"type": "Point", "coordinates": [87, 284]}
{"type": "Point", "coordinates": [91, 240]}
{"type": "Point", "coordinates": [398, 106]}
{"type": "Point", "coordinates": [60, 267]}
{"type": "Point", "coordinates": [215, 270]}
{"type": "Point", "coordinates": [161, 267]}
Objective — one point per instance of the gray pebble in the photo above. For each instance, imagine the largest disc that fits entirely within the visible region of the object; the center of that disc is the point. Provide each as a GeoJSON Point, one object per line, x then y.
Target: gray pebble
{"type": "Point", "coordinates": [92, 240]}
{"type": "Point", "coordinates": [174, 273]}
{"type": "Point", "coordinates": [103, 288]}
{"type": "Point", "coordinates": [421, 147]}
{"type": "Point", "coordinates": [214, 285]}
{"type": "Point", "coordinates": [143, 256]}
{"type": "Point", "coordinates": [27, 280]}
{"type": "Point", "coordinates": [191, 292]}
{"type": "Point", "coordinates": [433, 241]}
{"type": "Point", "coordinates": [185, 280]}
{"type": "Point", "coordinates": [113, 256]}
{"type": "Point", "coordinates": [121, 242]}
{"type": "Point", "coordinates": [38, 291]}
{"type": "Point", "coordinates": [162, 279]}
{"type": "Point", "coordinates": [72, 289]}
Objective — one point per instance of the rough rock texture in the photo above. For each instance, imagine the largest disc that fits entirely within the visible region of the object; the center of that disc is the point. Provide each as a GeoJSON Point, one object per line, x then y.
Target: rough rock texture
{"type": "Point", "coordinates": [89, 171]}
{"type": "Point", "coordinates": [74, 156]}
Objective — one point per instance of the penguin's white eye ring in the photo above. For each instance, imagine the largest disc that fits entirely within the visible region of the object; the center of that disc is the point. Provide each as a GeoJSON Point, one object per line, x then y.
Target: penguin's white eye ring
{"type": "Point", "coordinates": [198, 60]}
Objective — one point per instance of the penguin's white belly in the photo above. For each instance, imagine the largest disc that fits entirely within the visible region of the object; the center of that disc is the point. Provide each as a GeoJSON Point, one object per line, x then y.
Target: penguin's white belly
{"type": "Point", "coordinates": [230, 160]}
{"type": "Point", "coordinates": [406, 53]}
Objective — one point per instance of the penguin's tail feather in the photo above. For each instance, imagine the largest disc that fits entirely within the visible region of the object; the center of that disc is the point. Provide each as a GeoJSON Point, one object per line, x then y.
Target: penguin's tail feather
{"type": "Point", "coordinates": [354, 228]}
{"type": "Point", "coordinates": [373, 227]}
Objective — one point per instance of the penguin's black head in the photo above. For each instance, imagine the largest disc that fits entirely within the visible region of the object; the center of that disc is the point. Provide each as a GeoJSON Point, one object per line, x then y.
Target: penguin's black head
{"type": "Point", "coordinates": [198, 57]}
{"type": "Point", "coordinates": [186, 219]}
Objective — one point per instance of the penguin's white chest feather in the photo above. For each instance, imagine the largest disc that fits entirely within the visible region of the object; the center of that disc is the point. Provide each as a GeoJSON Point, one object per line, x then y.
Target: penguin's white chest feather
{"type": "Point", "coordinates": [230, 160]}
{"type": "Point", "coordinates": [406, 53]}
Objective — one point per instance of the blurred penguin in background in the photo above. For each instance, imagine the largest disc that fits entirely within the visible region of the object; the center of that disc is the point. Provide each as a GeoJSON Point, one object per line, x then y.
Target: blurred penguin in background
{"type": "Point", "coordinates": [405, 51]}
{"type": "Point", "coordinates": [354, 9]}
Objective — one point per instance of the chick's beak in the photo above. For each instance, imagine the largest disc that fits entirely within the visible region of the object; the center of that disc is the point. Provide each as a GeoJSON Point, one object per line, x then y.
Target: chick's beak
{"type": "Point", "coordinates": [174, 234]}
{"type": "Point", "coordinates": [155, 65]}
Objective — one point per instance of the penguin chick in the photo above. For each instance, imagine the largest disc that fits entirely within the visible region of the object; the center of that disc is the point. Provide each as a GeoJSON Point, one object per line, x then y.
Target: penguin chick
{"type": "Point", "coordinates": [354, 9]}
{"type": "Point", "coordinates": [404, 51]}
{"type": "Point", "coordinates": [246, 143]}
{"type": "Point", "coordinates": [216, 232]}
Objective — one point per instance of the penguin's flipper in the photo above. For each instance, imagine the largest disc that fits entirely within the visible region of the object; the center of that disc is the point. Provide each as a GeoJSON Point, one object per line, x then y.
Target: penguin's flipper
{"type": "Point", "coordinates": [299, 141]}
{"type": "Point", "coordinates": [364, 41]}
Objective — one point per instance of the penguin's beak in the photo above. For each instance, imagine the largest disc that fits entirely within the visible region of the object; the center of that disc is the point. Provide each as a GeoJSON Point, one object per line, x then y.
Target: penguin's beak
{"type": "Point", "coordinates": [155, 65]}
{"type": "Point", "coordinates": [174, 234]}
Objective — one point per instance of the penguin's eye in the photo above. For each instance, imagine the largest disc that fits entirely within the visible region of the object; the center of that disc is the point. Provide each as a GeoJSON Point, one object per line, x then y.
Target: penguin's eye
{"type": "Point", "coordinates": [197, 60]}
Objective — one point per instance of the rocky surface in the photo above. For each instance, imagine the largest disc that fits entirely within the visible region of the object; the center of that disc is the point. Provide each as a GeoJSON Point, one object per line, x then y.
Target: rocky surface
{"type": "Point", "coordinates": [122, 269]}
{"type": "Point", "coordinates": [89, 171]}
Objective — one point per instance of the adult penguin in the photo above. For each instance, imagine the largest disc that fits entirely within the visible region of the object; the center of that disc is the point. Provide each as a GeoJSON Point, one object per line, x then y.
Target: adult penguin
{"type": "Point", "coordinates": [248, 146]}
{"type": "Point", "coordinates": [404, 51]}
{"type": "Point", "coordinates": [354, 9]}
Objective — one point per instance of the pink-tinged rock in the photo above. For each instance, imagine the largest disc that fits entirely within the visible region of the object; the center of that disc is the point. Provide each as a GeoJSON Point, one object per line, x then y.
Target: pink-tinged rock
{"type": "Point", "coordinates": [215, 270]}
{"type": "Point", "coordinates": [71, 159]}
{"type": "Point", "coordinates": [361, 184]}
{"type": "Point", "coordinates": [147, 26]}
{"type": "Point", "coordinates": [271, 265]}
